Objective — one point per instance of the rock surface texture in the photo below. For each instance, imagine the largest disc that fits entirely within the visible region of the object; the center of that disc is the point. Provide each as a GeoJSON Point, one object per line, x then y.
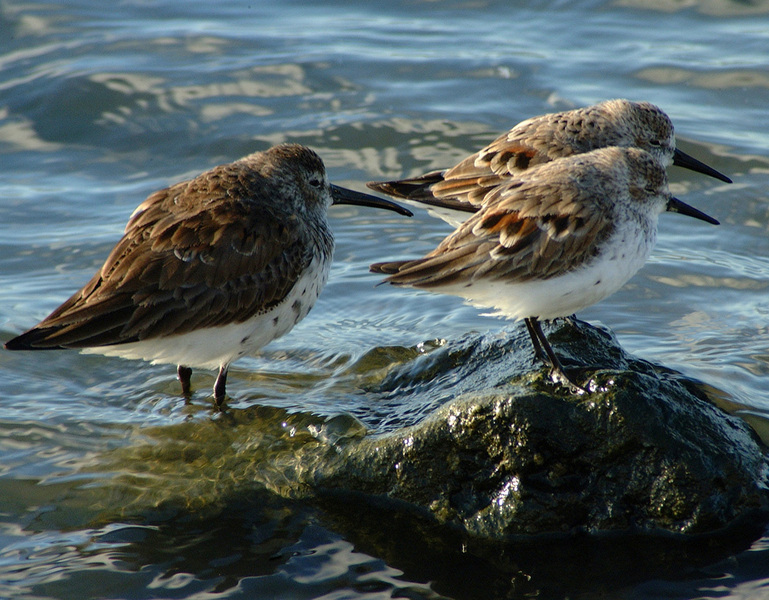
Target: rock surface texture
{"type": "Point", "coordinates": [645, 452]}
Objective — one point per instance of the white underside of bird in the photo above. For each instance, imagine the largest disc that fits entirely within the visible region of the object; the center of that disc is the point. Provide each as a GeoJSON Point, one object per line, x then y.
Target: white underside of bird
{"type": "Point", "coordinates": [212, 347]}
{"type": "Point", "coordinates": [622, 257]}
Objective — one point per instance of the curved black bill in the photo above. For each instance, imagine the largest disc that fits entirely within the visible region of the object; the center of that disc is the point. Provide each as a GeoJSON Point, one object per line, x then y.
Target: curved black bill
{"type": "Point", "coordinates": [681, 159]}
{"type": "Point", "coordinates": [342, 195]}
{"type": "Point", "coordinates": [675, 205]}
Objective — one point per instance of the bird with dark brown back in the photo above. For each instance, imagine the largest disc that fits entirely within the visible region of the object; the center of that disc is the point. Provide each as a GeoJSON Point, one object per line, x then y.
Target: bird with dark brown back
{"type": "Point", "coordinates": [210, 269]}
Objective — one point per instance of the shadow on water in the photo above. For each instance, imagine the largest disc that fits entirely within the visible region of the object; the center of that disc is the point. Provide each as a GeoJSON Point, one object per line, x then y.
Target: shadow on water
{"type": "Point", "coordinates": [539, 566]}
{"type": "Point", "coordinates": [259, 543]}
{"type": "Point", "coordinates": [225, 504]}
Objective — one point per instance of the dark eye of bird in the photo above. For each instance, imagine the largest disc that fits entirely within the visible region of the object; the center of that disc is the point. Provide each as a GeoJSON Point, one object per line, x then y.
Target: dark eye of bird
{"type": "Point", "coordinates": [315, 182]}
{"type": "Point", "coordinates": [655, 143]}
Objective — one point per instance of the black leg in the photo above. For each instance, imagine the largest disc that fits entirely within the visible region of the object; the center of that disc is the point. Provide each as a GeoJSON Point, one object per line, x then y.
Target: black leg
{"type": "Point", "coordinates": [534, 340]}
{"type": "Point", "coordinates": [558, 369]}
{"type": "Point", "coordinates": [184, 374]}
{"type": "Point", "coordinates": [220, 385]}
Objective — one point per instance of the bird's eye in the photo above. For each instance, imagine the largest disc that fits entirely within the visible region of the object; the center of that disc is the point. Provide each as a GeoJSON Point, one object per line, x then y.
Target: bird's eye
{"type": "Point", "coordinates": [651, 190]}
{"type": "Point", "coordinates": [316, 183]}
{"type": "Point", "coordinates": [655, 143]}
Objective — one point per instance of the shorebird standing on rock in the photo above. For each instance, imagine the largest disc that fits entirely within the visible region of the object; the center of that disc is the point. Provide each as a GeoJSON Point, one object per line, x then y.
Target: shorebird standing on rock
{"type": "Point", "coordinates": [555, 239]}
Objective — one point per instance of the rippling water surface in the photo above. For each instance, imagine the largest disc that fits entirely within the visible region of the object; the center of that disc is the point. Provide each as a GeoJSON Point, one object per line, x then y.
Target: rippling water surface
{"type": "Point", "coordinates": [102, 103]}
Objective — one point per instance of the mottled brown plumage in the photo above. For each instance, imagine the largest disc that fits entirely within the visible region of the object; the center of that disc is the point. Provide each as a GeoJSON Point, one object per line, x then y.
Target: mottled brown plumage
{"type": "Point", "coordinates": [556, 239]}
{"type": "Point", "coordinates": [243, 248]}
{"type": "Point", "coordinates": [202, 253]}
{"type": "Point", "coordinates": [539, 140]}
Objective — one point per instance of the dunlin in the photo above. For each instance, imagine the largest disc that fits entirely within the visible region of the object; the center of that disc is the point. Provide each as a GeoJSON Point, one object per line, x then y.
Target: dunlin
{"type": "Point", "coordinates": [463, 188]}
{"type": "Point", "coordinates": [559, 237]}
{"type": "Point", "coordinates": [210, 269]}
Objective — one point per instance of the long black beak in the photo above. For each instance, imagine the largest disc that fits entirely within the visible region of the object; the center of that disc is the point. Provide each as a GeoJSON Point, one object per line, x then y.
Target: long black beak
{"type": "Point", "coordinates": [675, 205]}
{"type": "Point", "coordinates": [342, 195]}
{"type": "Point", "coordinates": [681, 159]}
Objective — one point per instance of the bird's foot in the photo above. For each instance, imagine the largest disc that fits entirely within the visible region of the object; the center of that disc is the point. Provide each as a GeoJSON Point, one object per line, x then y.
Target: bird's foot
{"type": "Point", "coordinates": [558, 375]}
{"type": "Point", "coordinates": [220, 387]}
{"type": "Point", "coordinates": [184, 374]}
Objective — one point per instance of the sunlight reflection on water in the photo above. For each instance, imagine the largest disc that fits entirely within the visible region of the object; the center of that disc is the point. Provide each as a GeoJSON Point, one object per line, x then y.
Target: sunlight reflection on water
{"type": "Point", "coordinates": [101, 104]}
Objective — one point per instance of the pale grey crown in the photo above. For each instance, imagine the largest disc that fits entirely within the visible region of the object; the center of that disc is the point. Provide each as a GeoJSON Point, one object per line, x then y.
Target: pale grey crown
{"type": "Point", "coordinates": [647, 178]}
{"type": "Point", "coordinates": [642, 125]}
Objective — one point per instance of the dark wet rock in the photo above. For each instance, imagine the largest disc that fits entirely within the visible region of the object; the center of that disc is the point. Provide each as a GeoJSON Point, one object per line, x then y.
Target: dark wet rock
{"type": "Point", "coordinates": [471, 436]}
{"type": "Point", "coordinates": [511, 453]}
{"type": "Point", "coordinates": [465, 467]}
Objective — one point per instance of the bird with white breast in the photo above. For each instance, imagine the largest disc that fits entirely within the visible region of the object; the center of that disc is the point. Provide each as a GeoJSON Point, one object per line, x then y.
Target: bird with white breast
{"type": "Point", "coordinates": [555, 239]}
{"type": "Point", "coordinates": [211, 269]}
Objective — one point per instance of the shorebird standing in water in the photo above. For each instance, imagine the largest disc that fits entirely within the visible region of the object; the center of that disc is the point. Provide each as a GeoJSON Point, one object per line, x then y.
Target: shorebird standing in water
{"type": "Point", "coordinates": [555, 239]}
{"type": "Point", "coordinates": [210, 269]}
{"type": "Point", "coordinates": [461, 190]}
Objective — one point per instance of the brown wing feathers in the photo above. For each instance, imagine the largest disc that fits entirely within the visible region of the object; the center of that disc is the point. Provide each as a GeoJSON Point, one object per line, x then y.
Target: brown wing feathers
{"type": "Point", "coordinates": [523, 231]}
{"type": "Point", "coordinates": [147, 286]}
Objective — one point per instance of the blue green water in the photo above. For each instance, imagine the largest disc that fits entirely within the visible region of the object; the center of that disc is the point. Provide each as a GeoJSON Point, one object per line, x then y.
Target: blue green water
{"type": "Point", "coordinates": [103, 103]}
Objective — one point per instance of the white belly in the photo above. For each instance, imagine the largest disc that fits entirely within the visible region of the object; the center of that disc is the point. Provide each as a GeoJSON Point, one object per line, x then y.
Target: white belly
{"type": "Point", "coordinates": [212, 347]}
{"type": "Point", "coordinates": [563, 295]}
